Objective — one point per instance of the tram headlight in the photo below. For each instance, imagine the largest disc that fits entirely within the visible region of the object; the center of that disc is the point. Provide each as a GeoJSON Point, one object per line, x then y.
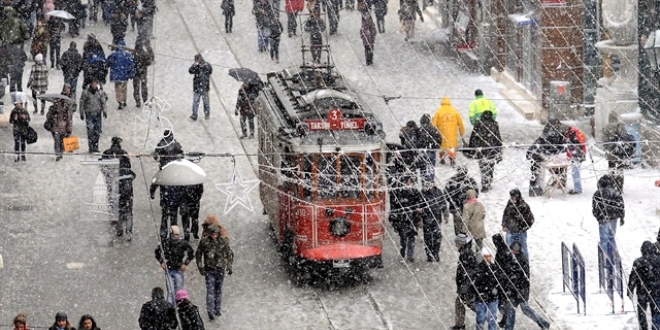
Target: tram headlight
{"type": "Point", "coordinates": [340, 227]}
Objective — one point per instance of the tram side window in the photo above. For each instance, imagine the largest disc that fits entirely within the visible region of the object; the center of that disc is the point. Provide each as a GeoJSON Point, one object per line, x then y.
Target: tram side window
{"type": "Point", "coordinates": [371, 177]}
{"type": "Point", "coordinates": [327, 169]}
{"type": "Point", "coordinates": [306, 177]}
{"type": "Point", "coordinates": [351, 171]}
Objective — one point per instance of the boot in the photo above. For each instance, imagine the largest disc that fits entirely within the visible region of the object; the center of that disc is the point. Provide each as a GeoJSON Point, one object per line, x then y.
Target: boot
{"type": "Point", "coordinates": [23, 157]}
{"type": "Point", "coordinates": [18, 159]}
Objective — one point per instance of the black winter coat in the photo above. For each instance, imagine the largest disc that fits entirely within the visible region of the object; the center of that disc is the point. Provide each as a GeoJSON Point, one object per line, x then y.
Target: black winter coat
{"type": "Point", "coordinates": [407, 217]}
{"type": "Point", "coordinates": [644, 273]}
{"type": "Point", "coordinates": [486, 282]}
{"type": "Point", "coordinates": [202, 75]}
{"type": "Point", "coordinates": [167, 150]}
{"type": "Point", "coordinates": [189, 316]}
{"type": "Point", "coordinates": [158, 314]}
{"type": "Point", "coordinates": [435, 206]}
{"type": "Point", "coordinates": [514, 270]}
{"type": "Point", "coordinates": [486, 135]}
{"type": "Point", "coordinates": [607, 203]}
{"type": "Point", "coordinates": [170, 196]}
{"type": "Point", "coordinates": [465, 268]}
{"type": "Point", "coordinates": [177, 252]}
{"type": "Point", "coordinates": [457, 187]}
{"type": "Point", "coordinates": [71, 63]}
{"type": "Point", "coordinates": [144, 57]}
{"type": "Point", "coordinates": [517, 216]}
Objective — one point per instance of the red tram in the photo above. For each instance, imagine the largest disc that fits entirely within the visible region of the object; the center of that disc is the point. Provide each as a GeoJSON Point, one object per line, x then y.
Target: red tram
{"type": "Point", "coordinates": [321, 159]}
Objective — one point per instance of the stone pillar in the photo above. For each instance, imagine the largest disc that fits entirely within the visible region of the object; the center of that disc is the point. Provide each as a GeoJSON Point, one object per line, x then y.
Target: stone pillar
{"type": "Point", "coordinates": [561, 46]}
{"type": "Point", "coordinates": [499, 42]}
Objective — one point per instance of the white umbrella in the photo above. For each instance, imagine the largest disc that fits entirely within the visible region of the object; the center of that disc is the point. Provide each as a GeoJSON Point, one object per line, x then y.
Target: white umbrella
{"type": "Point", "coordinates": [21, 96]}
{"type": "Point", "coordinates": [180, 173]}
{"type": "Point", "coordinates": [61, 14]}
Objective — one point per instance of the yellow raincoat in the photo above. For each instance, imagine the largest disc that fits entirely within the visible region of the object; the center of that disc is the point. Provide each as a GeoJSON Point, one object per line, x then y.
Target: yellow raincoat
{"type": "Point", "coordinates": [449, 123]}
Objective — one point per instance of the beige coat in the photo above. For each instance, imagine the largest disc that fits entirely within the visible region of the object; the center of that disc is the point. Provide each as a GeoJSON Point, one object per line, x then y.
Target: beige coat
{"type": "Point", "coordinates": [474, 214]}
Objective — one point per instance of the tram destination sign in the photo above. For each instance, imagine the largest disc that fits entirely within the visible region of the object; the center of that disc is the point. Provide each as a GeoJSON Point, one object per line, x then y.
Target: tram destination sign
{"type": "Point", "coordinates": [335, 122]}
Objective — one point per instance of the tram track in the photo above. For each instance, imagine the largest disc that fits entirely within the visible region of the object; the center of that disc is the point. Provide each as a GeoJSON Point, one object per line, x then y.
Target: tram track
{"type": "Point", "coordinates": [363, 289]}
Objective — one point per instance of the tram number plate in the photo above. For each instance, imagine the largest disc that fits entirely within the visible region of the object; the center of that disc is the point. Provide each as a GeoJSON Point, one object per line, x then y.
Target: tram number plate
{"type": "Point", "coordinates": [341, 263]}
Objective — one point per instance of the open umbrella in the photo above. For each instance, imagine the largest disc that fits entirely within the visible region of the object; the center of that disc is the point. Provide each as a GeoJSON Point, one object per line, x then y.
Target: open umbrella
{"type": "Point", "coordinates": [180, 173]}
{"type": "Point", "coordinates": [245, 75]}
{"type": "Point", "coordinates": [53, 97]}
{"type": "Point", "coordinates": [20, 95]}
{"type": "Point", "coordinates": [61, 14]}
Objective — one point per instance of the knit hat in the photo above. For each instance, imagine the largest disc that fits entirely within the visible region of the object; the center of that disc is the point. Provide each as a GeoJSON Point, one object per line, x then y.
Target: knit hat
{"type": "Point", "coordinates": [38, 58]}
{"type": "Point", "coordinates": [214, 229]}
{"type": "Point", "coordinates": [60, 316]}
{"type": "Point", "coordinates": [471, 194]}
{"type": "Point", "coordinates": [462, 239]}
{"type": "Point", "coordinates": [116, 140]}
{"type": "Point", "coordinates": [181, 294]}
{"type": "Point", "coordinates": [486, 252]}
{"type": "Point", "coordinates": [175, 230]}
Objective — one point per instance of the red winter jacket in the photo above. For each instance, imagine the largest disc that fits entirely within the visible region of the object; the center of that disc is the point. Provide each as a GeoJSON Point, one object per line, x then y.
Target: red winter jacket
{"type": "Point", "coordinates": [577, 141]}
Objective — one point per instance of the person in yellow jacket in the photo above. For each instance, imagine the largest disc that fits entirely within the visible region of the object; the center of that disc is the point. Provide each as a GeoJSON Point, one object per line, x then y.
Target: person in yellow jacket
{"type": "Point", "coordinates": [479, 105]}
{"type": "Point", "coordinates": [450, 124]}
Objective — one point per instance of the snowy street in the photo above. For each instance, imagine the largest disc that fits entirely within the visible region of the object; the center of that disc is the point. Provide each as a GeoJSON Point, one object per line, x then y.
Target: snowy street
{"type": "Point", "coordinates": [60, 254]}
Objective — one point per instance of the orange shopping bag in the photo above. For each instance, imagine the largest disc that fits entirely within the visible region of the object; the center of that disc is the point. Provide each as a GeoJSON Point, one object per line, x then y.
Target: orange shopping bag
{"type": "Point", "coordinates": [70, 143]}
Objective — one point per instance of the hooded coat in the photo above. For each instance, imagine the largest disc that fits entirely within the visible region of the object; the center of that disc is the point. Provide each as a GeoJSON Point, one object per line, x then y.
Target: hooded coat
{"type": "Point", "coordinates": [474, 214]}
{"type": "Point", "coordinates": [486, 135]}
{"type": "Point", "coordinates": [486, 282]}
{"type": "Point", "coordinates": [201, 71]}
{"type": "Point", "coordinates": [167, 150]}
{"type": "Point", "coordinates": [59, 115]}
{"type": "Point", "coordinates": [514, 270]}
{"type": "Point", "coordinates": [465, 268]}
{"type": "Point", "coordinates": [71, 63]}
{"type": "Point", "coordinates": [607, 203]}
{"type": "Point", "coordinates": [643, 275]}
{"type": "Point", "coordinates": [429, 136]}
{"type": "Point", "coordinates": [449, 123]}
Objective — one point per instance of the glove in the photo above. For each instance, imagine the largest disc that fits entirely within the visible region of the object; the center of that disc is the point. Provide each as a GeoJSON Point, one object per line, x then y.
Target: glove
{"type": "Point", "coordinates": [105, 115]}
{"type": "Point", "coordinates": [236, 113]}
{"type": "Point", "coordinates": [152, 196]}
{"type": "Point", "coordinates": [202, 272]}
{"type": "Point", "coordinates": [621, 222]}
{"type": "Point", "coordinates": [82, 117]}
{"type": "Point", "coordinates": [229, 272]}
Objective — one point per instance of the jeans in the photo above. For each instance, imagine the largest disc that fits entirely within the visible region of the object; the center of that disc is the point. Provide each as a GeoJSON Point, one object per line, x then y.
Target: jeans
{"type": "Point", "coordinates": [55, 47]}
{"type": "Point", "coordinates": [380, 23]}
{"type": "Point", "coordinates": [577, 181]}
{"type": "Point", "coordinates": [16, 81]}
{"type": "Point", "coordinates": [214, 279]}
{"type": "Point", "coordinates": [229, 23]}
{"type": "Point", "coordinates": [607, 231]}
{"type": "Point", "coordinates": [73, 81]}
{"type": "Point", "coordinates": [409, 27]}
{"type": "Point", "coordinates": [176, 278]}
{"type": "Point", "coordinates": [642, 305]}
{"type": "Point", "coordinates": [486, 311]}
{"type": "Point", "coordinates": [19, 143]}
{"type": "Point", "coordinates": [510, 316]}
{"type": "Point", "coordinates": [274, 40]}
{"type": "Point", "coordinates": [369, 54]}
{"type": "Point", "coordinates": [205, 97]}
{"type": "Point", "coordinates": [655, 312]}
{"type": "Point", "coordinates": [83, 18]}
{"type": "Point", "coordinates": [292, 24]}
{"type": "Point", "coordinates": [247, 120]}
{"type": "Point", "coordinates": [521, 237]}
{"type": "Point", "coordinates": [140, 87]}
{"type": "Point", "coordinates": [432, 240]}
{"type": "Point", "coordinates": [262, 39]}
{"type": "Point", "coordinates": [190, 219]}
{"type": "Point", "coordinates": [94, 127]}
{"type": "Point", "coordinates": [168, 213]}
{"type": "Point", "coordinates": [58, 143]}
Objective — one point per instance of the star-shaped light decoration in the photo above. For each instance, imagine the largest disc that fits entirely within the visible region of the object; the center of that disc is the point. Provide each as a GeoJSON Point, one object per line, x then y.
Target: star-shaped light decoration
{"type": "Point", "coordinates": [238, 192]}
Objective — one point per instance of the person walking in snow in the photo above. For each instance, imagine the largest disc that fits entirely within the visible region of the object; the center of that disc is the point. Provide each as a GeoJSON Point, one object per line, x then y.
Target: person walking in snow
{"type": "Point", "coordinates": [551, 142]}
{"type": "Point", "coordinates": [40, 40]}
{"type": "Point", "coordinates": [19, 118]}
{"type": "Point", "coordinates": [55, 28]}
{"type": "Point", "coordinates": [245, 102]}
{"type": "Point", "coordinates": [87, 322]}
{"type": "Point", "coordinates": [479, 105]}
{"type": "Point", "coordinates": [467, 264]}
{"type": "Point", "coordinates": [409, 137]}
{"type": "Point", "coordinates": [228, 11]}
{"type": "Point", "coordinates": [410, 210]}
{"type": "Point", "coordinates": [487, 290]}
{"type": "Point", "coordinates": [619, 147]}
{"type": "Point", "coordinates": [408, 14]}
{"type": "Point", "coordinates": [71, 66]}
{"type": "Point", "coordinates": [486, 143]}
{"type": "Point", "coordinates": [122, 68]}
{"type": "Point", "coordinates": [92, 106]}
{"type": "Point", "coordinates": [429, 141]}
{"type": "Point", "coordinates": [263, 13]}
{"type": "Point", "coordinates": [474, 215]}
{"type": "Point", "coordinates": [214, 259]}
{"type": "Point", "coordinates": [576, 152]}
{"type": "Point", "coordinates": [608, 208]}
{"type": "Point", "coordinates": [61, 322]}
{"type": "Point", "coordinates": [174, 255]}
{"type": "Point", "coordinates": [293, 8]}
{"type": "Point", "coordinates": [435, 208]}
{"type": "Point", "coordinates": [380, 9]}
{"type": "Point", "coordinates": [188, 312]}
{"type": "Point", "coordinates": [158, 313]}
{"type": "Point", "coordinates": [450, 125]}
{"type": "Point", "coordinates": [456, 189]}
{"type": "Point", "coordinates": [516, 220]}
{"type": "Point", "coordinates": [144, 57]}
{"type": "Point", "coordinates": [38, 82]}
{"type": "Point", "coordinates": [644, 282]}
{"type": "Point", "coordinates": [94, 62]}
{"type": "Point", "coordinates": [367, 32]}
{"type": "Point", "coordinates": [315, 26]}
{"type": "Point", "coordinates": [60, 125]}
{"type": "Point", "coordinates": [201, 71]}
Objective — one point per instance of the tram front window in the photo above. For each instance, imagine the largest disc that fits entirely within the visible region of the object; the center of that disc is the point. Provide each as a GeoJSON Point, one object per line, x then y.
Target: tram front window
{"type": "Point", "coordinates": [351, 171]}
{"type": "Point", "coordinates": [306, 177]}
{"type": "Point", "coordinates": [327, 176]}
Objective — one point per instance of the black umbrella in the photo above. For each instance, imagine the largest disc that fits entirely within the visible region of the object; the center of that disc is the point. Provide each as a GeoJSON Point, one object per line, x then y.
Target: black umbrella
{"type": "Point", "coordinates": [245, 75]}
